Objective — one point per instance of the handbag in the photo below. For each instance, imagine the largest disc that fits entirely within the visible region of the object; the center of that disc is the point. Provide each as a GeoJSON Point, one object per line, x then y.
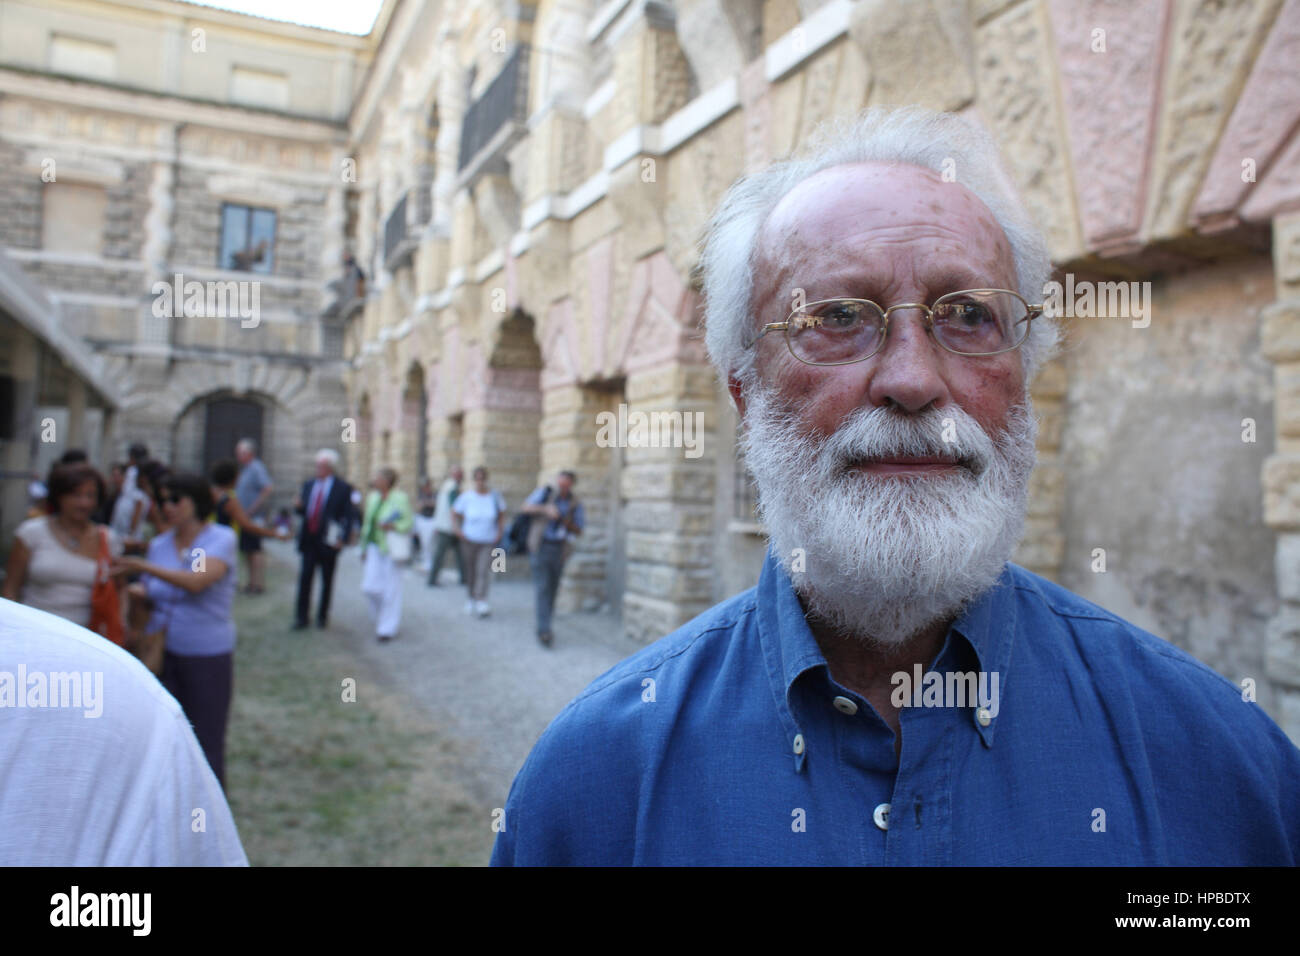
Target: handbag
{"type": "Point", "coordinates": [399, 546]}
{"type": "Point", "coordinates": [105, 607]}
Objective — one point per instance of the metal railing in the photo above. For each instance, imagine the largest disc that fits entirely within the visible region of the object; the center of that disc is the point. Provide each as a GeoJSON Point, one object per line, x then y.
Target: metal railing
{"type": "Point", "coordinates": [505, 100]}
{"type": "Point", "coordinates": [395, 228]}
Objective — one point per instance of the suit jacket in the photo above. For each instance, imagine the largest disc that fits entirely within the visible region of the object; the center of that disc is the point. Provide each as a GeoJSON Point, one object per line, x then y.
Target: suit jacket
{"type": "Point", "coordinates": [338, 507]}
{"type": "Point", "coordinates": [398, 502]}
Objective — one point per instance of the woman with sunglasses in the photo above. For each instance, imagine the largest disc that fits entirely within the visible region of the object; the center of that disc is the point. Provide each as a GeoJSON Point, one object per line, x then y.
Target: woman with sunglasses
{"type": "Point", "coordinates": [189, 576]}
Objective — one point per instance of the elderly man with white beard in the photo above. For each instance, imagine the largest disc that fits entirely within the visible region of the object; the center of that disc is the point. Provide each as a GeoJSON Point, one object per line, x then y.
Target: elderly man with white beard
{"type": "Point", "coordinates": [878, 326]}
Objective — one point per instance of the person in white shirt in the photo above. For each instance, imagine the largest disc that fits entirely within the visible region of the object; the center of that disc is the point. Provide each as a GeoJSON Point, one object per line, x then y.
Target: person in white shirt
{"type": "Point", "coordinates": [480, 519]}
{"type": "Point", "coordinates": [57, 558]}
{"type": "Point", "coordinates": [101, 767]}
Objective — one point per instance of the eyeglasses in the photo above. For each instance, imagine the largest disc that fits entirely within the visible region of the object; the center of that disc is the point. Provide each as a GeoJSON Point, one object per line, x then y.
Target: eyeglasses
{"type": "Point", "coordinates": [173, 499]}
{"type": "Point", "coordinates": [844, 331]}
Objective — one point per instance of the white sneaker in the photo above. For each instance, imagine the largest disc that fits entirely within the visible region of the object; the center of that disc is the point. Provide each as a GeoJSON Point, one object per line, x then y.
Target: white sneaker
{"type": "Point", "coordinates": [483, 609]}
{"type": "Point", "coordinates": [469, 607]}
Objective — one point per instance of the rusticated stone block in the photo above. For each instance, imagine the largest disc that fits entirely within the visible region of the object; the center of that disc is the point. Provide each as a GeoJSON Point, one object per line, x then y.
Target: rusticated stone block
{"type": "Point", "coordinates": [1279, 333]}
{"type": "Point", "coordinates": [1282, 646]}
{"type": "Point", "coordinates": [918, 51]}
{"type": "Point", "coordinates": [1282, 492]}
{"type": "Point", "coordinates": [1018, 98]}
{"type": "Point", "coordinates": [1211, 50]}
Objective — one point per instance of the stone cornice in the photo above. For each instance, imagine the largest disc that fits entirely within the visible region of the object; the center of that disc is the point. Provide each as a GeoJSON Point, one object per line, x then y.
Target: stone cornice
{"type": "Point", "coordinates": [91, 95]}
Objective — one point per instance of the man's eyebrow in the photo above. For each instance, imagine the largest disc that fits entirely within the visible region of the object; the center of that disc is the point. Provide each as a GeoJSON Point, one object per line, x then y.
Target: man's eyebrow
{"type": "Point", "coordinates": [956, 280]}
{"type": "Point", "coordinates": [938, 283]}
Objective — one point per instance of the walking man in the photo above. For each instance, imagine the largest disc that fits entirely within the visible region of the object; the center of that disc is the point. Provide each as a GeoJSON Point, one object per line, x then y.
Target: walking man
{"type": "Point", "coordinates": [326, 504]}
{"type": "Point", "coordinates": [558, 519]}
{"type": "Point", "coordinates": [253, 489]}
{"type": "Point", "coordinates": [445, 528]}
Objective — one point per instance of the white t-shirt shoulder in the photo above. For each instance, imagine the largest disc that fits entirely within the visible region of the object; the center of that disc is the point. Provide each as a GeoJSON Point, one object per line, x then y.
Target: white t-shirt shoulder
{"type": "Point", "coordinates": [113, 775]}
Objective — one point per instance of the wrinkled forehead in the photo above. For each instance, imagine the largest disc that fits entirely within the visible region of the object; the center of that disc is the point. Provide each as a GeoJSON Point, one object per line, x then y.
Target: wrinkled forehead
{"type": "Point", "coordinates": [852, 208]}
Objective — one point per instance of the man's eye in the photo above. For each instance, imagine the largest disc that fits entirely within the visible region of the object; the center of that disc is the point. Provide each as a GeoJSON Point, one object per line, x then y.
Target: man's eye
{"type": "Point", "coordinates": [841, 317]}
{"type": "Point", "coordinates": [969, 315]}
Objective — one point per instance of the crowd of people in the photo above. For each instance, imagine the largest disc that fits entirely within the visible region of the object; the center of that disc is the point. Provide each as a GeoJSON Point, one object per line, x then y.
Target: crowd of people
{"type": "Point", "coordinates": [148, 559]}
{"type": "Point", "coordinates": [467, 522]}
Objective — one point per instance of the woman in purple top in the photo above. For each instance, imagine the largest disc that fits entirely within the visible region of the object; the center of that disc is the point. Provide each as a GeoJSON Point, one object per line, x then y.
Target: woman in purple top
{"type": "Point", "coordinates": [189, 575]}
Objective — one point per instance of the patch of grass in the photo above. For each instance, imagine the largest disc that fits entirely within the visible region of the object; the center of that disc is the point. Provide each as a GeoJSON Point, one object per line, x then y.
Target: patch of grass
{"type": "Point", "coordinates": [315, 781]}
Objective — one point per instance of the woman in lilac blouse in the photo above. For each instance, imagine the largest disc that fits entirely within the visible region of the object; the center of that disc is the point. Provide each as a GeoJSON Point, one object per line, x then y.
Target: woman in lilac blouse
{"type": "Point", "coordinates": [189, 574]}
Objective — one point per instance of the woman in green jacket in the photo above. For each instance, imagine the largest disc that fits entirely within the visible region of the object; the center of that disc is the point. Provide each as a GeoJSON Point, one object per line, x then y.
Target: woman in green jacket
{"type": "Point", "coordinates": [385, 546]}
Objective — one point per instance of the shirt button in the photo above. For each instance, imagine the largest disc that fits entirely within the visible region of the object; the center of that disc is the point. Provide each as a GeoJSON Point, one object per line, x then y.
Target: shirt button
{"type": "Point", "coordinates": [983, 717]}
{"type": "Point", "coordinates": [798, 743]}
{"type": "Point", "coordinates": [845, 706]}
{"type": "Point", "coordinates": [881, 816]}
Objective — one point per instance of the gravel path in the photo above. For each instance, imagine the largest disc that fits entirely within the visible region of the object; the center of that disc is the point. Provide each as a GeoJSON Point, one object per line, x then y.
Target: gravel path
{"type": "Point", "coordinates": [486, 681]}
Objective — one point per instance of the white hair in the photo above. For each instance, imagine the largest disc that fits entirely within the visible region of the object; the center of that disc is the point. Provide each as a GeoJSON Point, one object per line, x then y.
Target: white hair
{"type": "Point", "coordinates": [330, 455]}
{"type": "Point", "coordinates": [908, 135]}
{"type": "Point", "coordinates": [247, 444]}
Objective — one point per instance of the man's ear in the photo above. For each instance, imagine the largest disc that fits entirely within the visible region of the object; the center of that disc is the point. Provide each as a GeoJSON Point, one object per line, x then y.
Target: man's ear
{"type": "Point", "coordinates": [737, 395]}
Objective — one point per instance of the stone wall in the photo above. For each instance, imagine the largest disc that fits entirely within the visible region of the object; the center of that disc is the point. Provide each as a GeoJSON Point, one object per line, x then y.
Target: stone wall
{"type": "Point", "coordinates": [1169, 427]}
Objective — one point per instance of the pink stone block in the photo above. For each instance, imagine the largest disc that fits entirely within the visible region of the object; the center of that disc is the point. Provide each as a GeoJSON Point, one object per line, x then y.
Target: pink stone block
{"type": "Point", "coordinates": [1268, 108]}
{"type": "Point", "coordinates": [1111, 100]}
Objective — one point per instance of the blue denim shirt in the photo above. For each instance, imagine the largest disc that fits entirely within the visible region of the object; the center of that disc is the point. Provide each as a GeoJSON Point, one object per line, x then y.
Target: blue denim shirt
{"type": "Point", "coordinates": [725, 743]}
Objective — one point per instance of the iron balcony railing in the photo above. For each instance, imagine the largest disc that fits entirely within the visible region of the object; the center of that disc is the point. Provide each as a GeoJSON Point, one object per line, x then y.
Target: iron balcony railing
{"type": "Point", "coordinates": [395, 229]}
{"type": "Point", "coordinates": [505, 101]}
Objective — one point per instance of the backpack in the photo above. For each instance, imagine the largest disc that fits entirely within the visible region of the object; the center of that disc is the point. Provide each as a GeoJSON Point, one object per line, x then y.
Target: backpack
{"type": "Point", "coordinates": [517, 535]}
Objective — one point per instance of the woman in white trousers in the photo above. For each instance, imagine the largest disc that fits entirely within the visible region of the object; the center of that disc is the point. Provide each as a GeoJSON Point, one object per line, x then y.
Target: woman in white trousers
{"type": "Point", "coordinates": [386, 546]}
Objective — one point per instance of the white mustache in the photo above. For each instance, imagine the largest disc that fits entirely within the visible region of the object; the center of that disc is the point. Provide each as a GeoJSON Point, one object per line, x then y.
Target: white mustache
{"type": "Point", "coordinates": [883, 433]}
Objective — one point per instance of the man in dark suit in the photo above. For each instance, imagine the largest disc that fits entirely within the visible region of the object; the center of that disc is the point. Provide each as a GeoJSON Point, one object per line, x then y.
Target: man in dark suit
{"type": "Point", "coordinates": [328, 519]}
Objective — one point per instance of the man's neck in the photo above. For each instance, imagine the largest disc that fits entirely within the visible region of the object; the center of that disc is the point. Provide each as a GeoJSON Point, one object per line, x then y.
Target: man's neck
{"type": "Point", "coordinates": [867, 667]}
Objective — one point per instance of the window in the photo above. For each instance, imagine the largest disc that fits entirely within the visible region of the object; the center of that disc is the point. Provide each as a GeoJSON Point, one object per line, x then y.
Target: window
{"type": "Point", "coordinates": [247, 238]}
{"type": "Point", "coordinates": [72, 218]}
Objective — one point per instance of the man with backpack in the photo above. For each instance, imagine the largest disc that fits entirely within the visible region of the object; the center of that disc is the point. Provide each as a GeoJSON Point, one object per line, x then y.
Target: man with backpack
{"type": "Point", "coordinates": [557, 518]}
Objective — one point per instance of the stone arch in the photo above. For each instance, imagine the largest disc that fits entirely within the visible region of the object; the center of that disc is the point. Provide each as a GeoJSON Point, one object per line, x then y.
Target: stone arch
{"type": "Point", "coordinates": [503, 407]}
{"type": "Point", "coordinates": [192, 439]}
{"type": "Point", "coordinates": [411, 450]}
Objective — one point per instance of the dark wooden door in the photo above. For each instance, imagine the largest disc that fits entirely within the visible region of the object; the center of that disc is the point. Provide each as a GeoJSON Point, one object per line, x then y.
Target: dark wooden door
{"type": "Point", "coordinates": [229, 420]}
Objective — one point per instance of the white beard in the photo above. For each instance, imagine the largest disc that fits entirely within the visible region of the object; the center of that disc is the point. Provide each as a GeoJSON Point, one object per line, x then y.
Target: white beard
{"type": "Point", "coordinates": [886, 556]}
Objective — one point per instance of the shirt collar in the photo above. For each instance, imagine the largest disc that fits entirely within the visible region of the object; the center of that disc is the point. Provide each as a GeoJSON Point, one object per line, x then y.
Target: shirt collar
{"type": "Point", "coordinates": [988, 625]}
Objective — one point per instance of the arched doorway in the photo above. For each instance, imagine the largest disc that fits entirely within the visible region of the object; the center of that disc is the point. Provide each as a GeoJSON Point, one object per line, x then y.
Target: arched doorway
{"type": "Point", "coordinates": [208, 430]}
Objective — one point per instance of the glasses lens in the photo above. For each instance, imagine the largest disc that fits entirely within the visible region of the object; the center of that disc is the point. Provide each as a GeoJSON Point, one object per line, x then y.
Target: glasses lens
{"type": "Point", "coordinates": [979, 322]}
{"type": "Point", "coordinates": [835, 331]}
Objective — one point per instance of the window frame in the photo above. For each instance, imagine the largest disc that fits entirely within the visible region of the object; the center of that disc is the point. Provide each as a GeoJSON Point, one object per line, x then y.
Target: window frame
{"type": "Point", "coordinates": [221, 237]}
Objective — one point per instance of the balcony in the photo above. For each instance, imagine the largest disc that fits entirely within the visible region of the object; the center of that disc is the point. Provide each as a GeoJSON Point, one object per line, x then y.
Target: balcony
{"type": "Point", "coordinates": [400, 241]}
{"type": "Point", "coordinates": [347, 295]}
{"type": "Point", "coordinates": [496, 120]}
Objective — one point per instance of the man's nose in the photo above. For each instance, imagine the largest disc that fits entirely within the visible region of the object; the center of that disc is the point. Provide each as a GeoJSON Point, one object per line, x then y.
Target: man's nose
{"type": "Point", "coordinates": [908, 369]}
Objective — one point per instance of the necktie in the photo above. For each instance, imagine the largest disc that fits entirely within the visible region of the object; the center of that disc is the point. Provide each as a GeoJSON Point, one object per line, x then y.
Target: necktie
{"type": "Point", "coordinates": [317, 502]}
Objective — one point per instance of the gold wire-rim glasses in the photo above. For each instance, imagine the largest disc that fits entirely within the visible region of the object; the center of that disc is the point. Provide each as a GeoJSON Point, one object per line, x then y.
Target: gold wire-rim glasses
{"type": "Point", "coordinates": [1031, 312]}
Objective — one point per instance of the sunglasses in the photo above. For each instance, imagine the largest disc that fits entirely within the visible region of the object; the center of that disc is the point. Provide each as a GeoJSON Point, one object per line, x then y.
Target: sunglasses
{"type": "Point", "coordinates": [173, 499]}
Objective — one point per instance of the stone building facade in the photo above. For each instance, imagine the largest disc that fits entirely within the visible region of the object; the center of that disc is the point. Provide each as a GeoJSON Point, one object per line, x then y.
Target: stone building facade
{"type": "Point", "coordinates": [524, 185]}
{"type": "Point", "coordinates": [534, 178]}
{"type": "Point", "coordinates": [136, 139]}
